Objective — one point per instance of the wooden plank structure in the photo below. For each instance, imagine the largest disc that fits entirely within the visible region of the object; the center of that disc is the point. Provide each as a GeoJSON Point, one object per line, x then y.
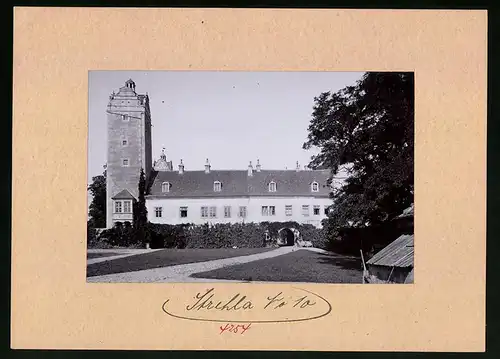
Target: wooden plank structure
{"type": "Point", "coordinates": [393, 264]}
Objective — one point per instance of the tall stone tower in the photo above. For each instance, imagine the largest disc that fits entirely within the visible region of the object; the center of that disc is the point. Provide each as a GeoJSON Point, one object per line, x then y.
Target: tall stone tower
{"type": "Point", "coordinates": [129, 150]}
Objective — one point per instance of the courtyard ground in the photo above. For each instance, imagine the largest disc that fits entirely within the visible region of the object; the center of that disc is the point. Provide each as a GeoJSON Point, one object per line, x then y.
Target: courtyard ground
{"type": "Point", "coordinates": [165, 258]}
{"type": "Point", "coordinates": [299, 266]}
{"type": "Point", "coordinates": [285, 264]}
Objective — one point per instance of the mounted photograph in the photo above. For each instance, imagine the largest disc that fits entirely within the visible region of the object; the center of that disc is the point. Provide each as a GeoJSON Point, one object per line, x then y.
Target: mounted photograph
{"type": "Point", "coordinates": [222, 176]}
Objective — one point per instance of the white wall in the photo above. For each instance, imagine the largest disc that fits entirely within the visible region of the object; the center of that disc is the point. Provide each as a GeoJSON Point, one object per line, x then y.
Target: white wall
{"type": "Point", "coordinates": [171, 209]}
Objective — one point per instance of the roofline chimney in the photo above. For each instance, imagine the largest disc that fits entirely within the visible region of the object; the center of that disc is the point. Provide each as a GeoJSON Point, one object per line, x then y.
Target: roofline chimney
{"type": "Point", "coordinates": [181, 168]}
{"type": "Point", "coordinates": [257, 167]}
{"type": "Point", "coordinates": [207, 166]}
{"type": "Point", "coordinates": [298, 167]}
{"type": "Point", "coordinates": [250, 169]}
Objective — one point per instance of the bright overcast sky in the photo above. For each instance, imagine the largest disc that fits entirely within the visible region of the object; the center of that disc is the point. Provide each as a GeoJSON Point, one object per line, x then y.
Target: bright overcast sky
{"type": "Point", "coordinates": [229, 117]}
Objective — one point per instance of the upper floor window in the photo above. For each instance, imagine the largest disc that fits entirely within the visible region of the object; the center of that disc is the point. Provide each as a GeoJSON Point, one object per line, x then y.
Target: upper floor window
{"type": "Point", "coordinates": [124, 142]}
{"type": "Point", "coordinates": [327, 210]}
{"type": "Point", "coordinates": [316, 210]}
{"type": "Point", "coordinates": [305, 210]}
{"type": "Point", "coordinates": [315, 187]}
{"type": "Point", "coordinates": [265, 211]}
{"type": "Point", "coordinates": [204, 212]}
{"type": "Point", "coordinates": [125, 117]}
{"type": "Point", "coordinates": [288, 210]}
{"type": "Point", "coordinates": [125, 162]}
{"type": "Point", "coordinates": [217, 186]}
{"type": "Point", "coordinates": [183, 212]}
{"type": "Point", "coordinates": [227, 212]}
{"type": "Point", "coordinates": [165, 187]}
{"type": "Point", "coordinates": [243, 211]}
{"type": "Point", "coordinates": [158, 212]}
{"type": "Point", "coordinates": [272, 186]}
{"type": "Point", "coordinates": [213, 212]}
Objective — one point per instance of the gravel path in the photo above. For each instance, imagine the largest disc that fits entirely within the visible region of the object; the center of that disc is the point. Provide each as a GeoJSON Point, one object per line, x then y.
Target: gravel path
{"type": "Point", "coordinates": [181, 273]}
{"type": "Point", "coordinates": [104, 255]}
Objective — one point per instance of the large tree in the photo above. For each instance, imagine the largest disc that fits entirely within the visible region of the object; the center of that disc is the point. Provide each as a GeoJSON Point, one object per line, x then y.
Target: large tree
{"type": "Point", "coordinates": [141, 212]}
{"type": "Point", "coordinates": [97, 208]}
{"type": "Point", "coordinates": [368, 129]}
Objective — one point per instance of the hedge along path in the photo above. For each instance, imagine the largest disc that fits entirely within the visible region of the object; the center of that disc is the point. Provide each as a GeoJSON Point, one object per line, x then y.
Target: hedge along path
{"type": "Point", "coordinates": [181, 273]}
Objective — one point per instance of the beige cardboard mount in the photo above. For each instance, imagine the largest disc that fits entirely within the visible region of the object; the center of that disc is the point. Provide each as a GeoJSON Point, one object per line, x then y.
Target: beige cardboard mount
{"type": "Point", "coordinates": [55, 48]}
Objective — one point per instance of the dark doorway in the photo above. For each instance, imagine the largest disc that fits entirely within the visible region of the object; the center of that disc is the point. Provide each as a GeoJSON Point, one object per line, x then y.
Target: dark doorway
{"type": "Point", "coordinates": [287, 236]}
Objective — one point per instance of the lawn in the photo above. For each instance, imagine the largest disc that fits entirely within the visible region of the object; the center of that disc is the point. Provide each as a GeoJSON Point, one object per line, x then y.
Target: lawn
{"type": "Point", "coordinates": [298, 266]}
{"type": "Point", "coordinates": [166, 258]}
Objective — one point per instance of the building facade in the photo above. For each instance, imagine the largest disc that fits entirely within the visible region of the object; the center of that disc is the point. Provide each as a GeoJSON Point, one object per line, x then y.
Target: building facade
{"type": "Point", "coordinates": [129, 150]}
{"type": "Point", "coordinates": [238, 196]}
{"type": "Point", "coordinates": [204, 196]}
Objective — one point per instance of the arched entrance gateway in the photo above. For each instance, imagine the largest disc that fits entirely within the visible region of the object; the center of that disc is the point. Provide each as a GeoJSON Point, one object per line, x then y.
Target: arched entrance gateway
{"type": "Point", "coordinates": [286, 236]}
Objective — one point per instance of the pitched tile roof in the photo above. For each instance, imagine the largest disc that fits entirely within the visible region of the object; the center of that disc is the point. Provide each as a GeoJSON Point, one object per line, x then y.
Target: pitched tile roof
{"type": "Point", "coordinates": [238, 183]}
{"type": "Point", "coordinates": [397, 254]}
{"type": "Point", "coordinates": [124, 194]}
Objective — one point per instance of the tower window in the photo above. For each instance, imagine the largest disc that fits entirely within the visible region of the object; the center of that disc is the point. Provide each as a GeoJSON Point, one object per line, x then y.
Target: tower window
{"type": "Point", "coordinates": [315, 187]}
{"type": "Point", "coordinates": [217, 186]}
{"type": "Point", "coordinates": [125, 162]}
{"type": "Point", "coordinates": [272, 186]}
{"type": "Point", "coordinates": [125, 118]}
{"type": "Point", "coordinates": [124, 141]}
{"type": "Point", "coordinates": [127, 207]}
{"type": "Point", "coordinates": [118, 206]}
{"type": "Point", "coordinates": [165, 187]}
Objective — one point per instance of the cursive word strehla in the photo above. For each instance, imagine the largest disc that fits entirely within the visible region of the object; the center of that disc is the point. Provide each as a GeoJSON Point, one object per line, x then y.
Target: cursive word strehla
{"type": "Point", "coordinates": [204, 301]}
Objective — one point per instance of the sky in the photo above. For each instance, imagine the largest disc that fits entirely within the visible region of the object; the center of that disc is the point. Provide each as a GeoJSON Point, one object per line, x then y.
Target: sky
{"type": "Point", "coordinates": [231, 118]}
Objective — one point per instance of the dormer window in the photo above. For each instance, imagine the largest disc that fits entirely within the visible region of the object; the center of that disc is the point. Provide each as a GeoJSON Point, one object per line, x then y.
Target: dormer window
{"type": "Point", "coordinates": [217, 186]}
{"type": "Point", "coordinates": [272, 186]}
{"type": "Point", "coordinates": [314, 187]}
{"type": "Point", "coordinates": [165, 187]}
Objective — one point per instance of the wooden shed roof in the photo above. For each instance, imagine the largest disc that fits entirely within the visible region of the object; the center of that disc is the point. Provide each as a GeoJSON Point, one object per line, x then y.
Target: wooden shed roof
{"type": "Point", "coordinates": [397, 254]}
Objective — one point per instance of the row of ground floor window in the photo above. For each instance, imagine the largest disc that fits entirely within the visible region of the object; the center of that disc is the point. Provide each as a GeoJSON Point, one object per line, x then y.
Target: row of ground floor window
{"type": "Point", "coordinates": [211, 211]}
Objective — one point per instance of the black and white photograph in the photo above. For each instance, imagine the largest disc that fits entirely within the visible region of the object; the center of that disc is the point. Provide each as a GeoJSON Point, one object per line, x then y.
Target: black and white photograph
{"type": "Point", "coordinates": [222, 176]}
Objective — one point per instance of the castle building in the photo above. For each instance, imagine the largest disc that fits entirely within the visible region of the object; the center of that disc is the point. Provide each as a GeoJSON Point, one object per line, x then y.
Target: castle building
{"type": "Point", "coordinates": [237, 196]}
{"type": "Point", "coordinates": [199, 196]}
{"type": "Point", "coordinates": [129, 150]}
